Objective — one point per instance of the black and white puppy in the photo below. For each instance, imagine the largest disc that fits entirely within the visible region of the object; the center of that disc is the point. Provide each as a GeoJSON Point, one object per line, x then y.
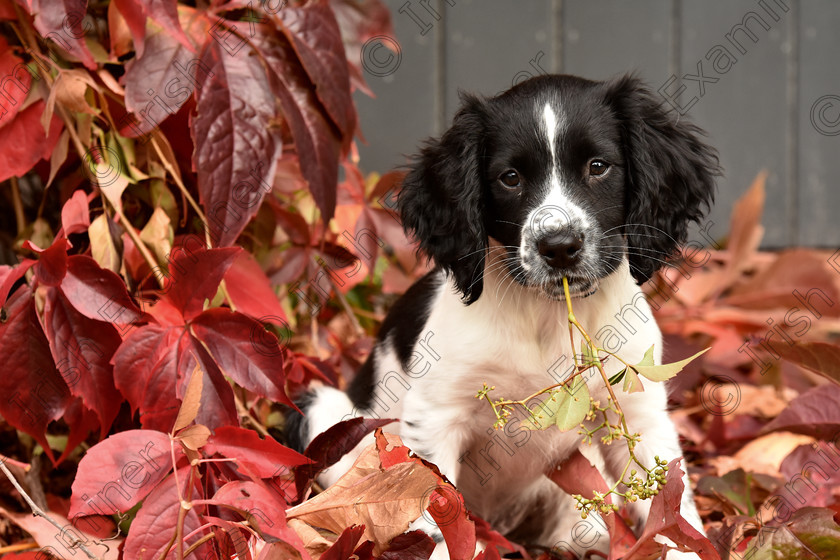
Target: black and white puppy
{"type": "Point", "coordinates": [559, 176]}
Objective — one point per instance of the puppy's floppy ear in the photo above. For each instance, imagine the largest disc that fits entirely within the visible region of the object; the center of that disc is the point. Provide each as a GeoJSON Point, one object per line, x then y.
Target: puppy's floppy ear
{"type": "Point", "coordinates": [441, 201]}
{"type": "Point", "coordinates": [670, 174]}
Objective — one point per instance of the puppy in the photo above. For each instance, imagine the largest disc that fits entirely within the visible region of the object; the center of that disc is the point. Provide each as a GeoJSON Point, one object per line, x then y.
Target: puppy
{"type": "Point", "coordinates": [558, 176]}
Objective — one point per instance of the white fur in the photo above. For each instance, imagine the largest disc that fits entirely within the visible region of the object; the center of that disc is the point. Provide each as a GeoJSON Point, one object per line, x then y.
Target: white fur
{"type": "Point", "coordinates": [518, 342]}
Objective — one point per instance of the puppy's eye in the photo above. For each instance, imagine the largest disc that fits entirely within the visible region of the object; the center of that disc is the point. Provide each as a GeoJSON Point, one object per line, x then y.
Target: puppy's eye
{"type": "Point", "coordinates": [598, 167]}
{"type": "Point", "coordinates": [510, 179]}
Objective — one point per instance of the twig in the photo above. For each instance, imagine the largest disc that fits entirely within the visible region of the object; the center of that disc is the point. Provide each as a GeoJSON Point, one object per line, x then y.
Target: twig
{"type": "Point", "coordinates": [18, 547]}
{"type": "Point", "coordinates": [243, 412]}
{"type": "Point", "coordinates": [198, 543]}
{"type": "Point", "coordinates": [37, 511]}
{"type": "Point", "coordinates": [20, 217]}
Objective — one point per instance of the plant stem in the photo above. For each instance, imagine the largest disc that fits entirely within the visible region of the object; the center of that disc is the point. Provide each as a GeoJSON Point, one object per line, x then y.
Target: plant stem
{"type": "Point", "coordinates": [573, 320]}
{"type": "Point", "coordinates": [41, 513]}
{"type": "Point", "coordinates": [20, 217]}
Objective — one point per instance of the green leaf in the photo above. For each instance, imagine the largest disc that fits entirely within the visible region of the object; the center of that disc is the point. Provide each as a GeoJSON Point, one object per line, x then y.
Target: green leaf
{"type": "Point", "coordinates": [542, 415]}
{"type": "Point", "coordinates": [663, 372]}
{"type": "Point", "coordinates": [615, 379]}
{"type": "Point", "coordinates": [564, 408]}
{"type": "Point", "coordinates": [573, 407]}
{"type": "Point", "coordinates": [647, 359]}
{"type": "Point", "coordinates": [632, 383]}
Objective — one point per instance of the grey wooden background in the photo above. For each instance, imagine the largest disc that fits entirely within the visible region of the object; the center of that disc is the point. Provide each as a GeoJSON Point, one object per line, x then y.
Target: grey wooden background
{"type": "Point", "coordinates": [758, 114]}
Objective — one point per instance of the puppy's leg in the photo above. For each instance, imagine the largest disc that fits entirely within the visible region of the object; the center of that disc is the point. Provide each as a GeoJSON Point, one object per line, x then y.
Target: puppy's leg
{"type": "Point", "coordinates": [443, 447]}
{"type": "Point", "coordinates": [646, 414]}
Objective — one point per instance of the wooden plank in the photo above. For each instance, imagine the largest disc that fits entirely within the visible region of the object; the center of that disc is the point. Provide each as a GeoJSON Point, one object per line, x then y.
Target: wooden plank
{"type": "Point", "coordinates": [612, 37]}
{"type": "Point", "coordinates": [492, 44]}
{"type": "Point", "coordinates": [819, 124]}
{"type": "Point", "coordinates": [743, 103]}
{"type": "Point", "coordinates": [403, 112]}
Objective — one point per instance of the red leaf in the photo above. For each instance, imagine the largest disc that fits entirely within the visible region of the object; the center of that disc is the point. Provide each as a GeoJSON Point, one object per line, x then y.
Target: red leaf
{"type": "Point", "coordinates": [12, 68]}
{"type": "Point", "coordinates": [34, 394]}
{"type": "Point", "coordinates": [145, 372]}
{"type": "Point", "coordinates": [195, 277]}
{"type": "Point", "coordinates": [493, 538]}
{"type": "Point", "coordinates": [97, 293]}
{"type": "Point", "coordinates": [256, 500]}
{"type": "Point", "coordinates": [165, 12]}
{"type": "Point", "coordinates": [814, 413]}
{"type": "Point", "coordinates": [7, 13]}
{"type": "Point", "coordinates": [359, 21]}
{"type": "Point", "coordinates": [343, 547]}
{"type": "Point", "coordinates": [294, 225]}
{"type": "Point", "coordinates": [82, 350]}
{"type": "Point", "coordinates": [302, 369]}
{"type": "Point", "coordinates": [576, 475]}
{"type": "Point", "coordinates": [801, 464]}
{"type": "Point", "coordinates": [149, 370]}
{"type": "Point", "coordinates": [75, 216]}
{"type": "Point", "coordinates": [62, 21]}
{"type": "Point", "coordinates": [317, 142]}
{"type": "Point", "coordinates": [414, 545]}
{"type": "Point", "coordinates": [135, 18]}
{"type": "Point", "coordinates": [236, 148]}
{"type": "Point", "coordinates": [155, 523]}
{"type": "Point", "coordinates": [665, 519]}
{"type": "Point", "coordinates": [115, 474]}
{"type": "Point", "coordinates": [52, 261]}
{"type": "Point", "coordinates": [489, 554]}
{"type": "Point", "coordinates": [217, 402]}
{"type": "Point", "coordinates": [81, 421]}
{"type": "Point", "coordinates": [9, 276]}
{"type": "Point", "coordinates": [251, 293]}
{"type": "Point", "coordinates": [819, 357]}
{"type": "Point", "coordinates": [261, 458]}
{"type": "Point", "coordinates": [159, 82]}
{"type": "Point", "coordinates": [314, 34]}
{"type": "Point", "coordinates": [255, 364]}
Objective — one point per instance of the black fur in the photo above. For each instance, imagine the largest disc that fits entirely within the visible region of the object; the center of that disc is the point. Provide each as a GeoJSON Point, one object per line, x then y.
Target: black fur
{"type": "Point", "coordinates": [670, 174]}
{"type": "Point", "coordinates": [442, 204]}
{"type": "Point", "coordinates": [296, 425]}
{"type": "Point", "coordinates": [403, 326]}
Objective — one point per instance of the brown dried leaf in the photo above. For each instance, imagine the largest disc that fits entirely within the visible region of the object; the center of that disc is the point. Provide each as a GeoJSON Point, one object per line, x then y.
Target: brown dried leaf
{"type": "Point", "coordinates": [102, 246]}
{"type": "Point", "coordinates": [192, 399]}
{"type": "Point", "coordinates": [746, 231]}
{"type": "Point", "coordinates": [194, 437]}
{"type": "Point", "coordinates": [46, 535]}
{"type": "Point", "coordinates": [315, 542]}
{"type": "Point", "coordinates": [384, 501]}
{"type": "Point", "coordinates": [763, 455]}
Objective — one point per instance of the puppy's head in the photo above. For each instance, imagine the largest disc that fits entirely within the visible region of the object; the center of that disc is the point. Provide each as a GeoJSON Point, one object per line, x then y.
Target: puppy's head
{"type": "Point", "coordinates": [567, 176]}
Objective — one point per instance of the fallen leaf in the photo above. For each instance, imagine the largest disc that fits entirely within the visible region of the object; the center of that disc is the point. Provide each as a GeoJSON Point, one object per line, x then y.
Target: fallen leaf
{"type": "Point", "coordinates": [385, 501]}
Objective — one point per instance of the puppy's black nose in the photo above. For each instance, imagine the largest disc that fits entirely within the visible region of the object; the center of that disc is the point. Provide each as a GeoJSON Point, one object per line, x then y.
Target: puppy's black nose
{"type": "Point", "coordinates": [562, 249]}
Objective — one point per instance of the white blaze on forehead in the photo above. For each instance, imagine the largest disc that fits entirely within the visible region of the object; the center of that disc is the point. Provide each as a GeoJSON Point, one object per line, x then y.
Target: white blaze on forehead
{"type": "Point", "coordinates": [556, 210]}
{"type": "Point", "coordinates": [550, 126]}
